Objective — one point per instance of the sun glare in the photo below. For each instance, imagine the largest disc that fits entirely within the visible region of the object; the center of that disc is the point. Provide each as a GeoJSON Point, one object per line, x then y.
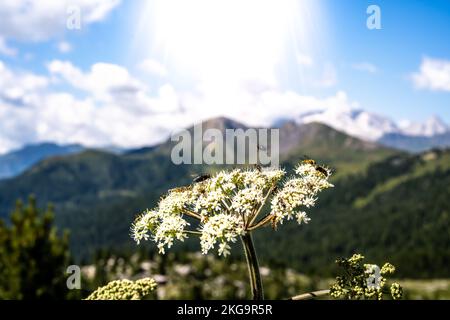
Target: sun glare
{"type": "Point", "coordinates": [229, 39]}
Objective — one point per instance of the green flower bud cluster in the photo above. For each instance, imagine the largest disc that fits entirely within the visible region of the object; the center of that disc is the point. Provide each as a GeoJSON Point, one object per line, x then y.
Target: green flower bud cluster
{"type": "Point", "coordinates": [363, 281]}
{"type": "Point", "coordinates": [124, 290]}
{"type": "Point", "coordinates": [387, 269]}
{"type": "Point", "coordinates": [396, 291]}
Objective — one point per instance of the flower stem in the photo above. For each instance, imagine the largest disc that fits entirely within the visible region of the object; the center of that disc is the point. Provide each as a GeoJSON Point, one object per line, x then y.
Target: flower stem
{"type": "Point", "coordinates": [253, 267]}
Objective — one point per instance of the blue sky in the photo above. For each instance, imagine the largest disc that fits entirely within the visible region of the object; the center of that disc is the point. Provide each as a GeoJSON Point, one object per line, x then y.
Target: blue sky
{"type": "Point", "coordinates": [411, 30]}
{"type": "Point", "coordinates": [160, 65]}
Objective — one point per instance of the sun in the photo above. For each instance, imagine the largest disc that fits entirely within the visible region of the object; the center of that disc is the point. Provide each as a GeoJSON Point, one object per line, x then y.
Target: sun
{"type": "Point", "coordinates": [224, 40]}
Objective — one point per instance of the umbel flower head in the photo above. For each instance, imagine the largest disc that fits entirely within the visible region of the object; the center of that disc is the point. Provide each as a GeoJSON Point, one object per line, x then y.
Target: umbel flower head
{"type": "Point", "coordinates": [364, 281]}
{"type": "Point", "coordinates": [229, 204]}
{"type": "Point", "coordinates": [124, 290]}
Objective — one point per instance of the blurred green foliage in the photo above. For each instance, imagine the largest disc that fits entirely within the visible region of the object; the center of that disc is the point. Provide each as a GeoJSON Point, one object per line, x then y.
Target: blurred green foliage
{"type": "Point", "coordinates": [195, 276]}
{"type": "Point", "coordinates": [33, 257]}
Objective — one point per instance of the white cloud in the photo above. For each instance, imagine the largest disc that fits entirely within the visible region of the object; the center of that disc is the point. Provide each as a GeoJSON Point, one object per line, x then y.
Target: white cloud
{"type": "Point", "coordinates": [64, 47]}
{"type": "Point", "coordinates": [112, 84]}
{"type": "Point", "coordinates": [18, 91]}
{"type": "Point", "coordinates": [41, 20]}
{"type": "Point", "coordinates": [5, 49]}
{"type": "Point", "coordinates": [103, 81]}
{"type": "Point", "coordinates": [304, 60]}
{"type": "Point", "coordinates": [19, 87]}
{"type": "Point", "coordinates": [118, 109]}
{"type": "Point", "coordinates": [434, 74]}
{"type": "Point", "coordinates": [258, 108]}
{"type": "Point", "coordinates": [365, 67]}
{"type": "Point", "coordinates": [153, 67]}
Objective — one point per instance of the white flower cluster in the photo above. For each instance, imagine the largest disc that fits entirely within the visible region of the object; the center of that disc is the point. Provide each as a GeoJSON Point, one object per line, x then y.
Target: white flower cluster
{"type": "Point", "coordinates": [222, 227]}
{"type": "Point", "coordinates": [165, 227]}
{"type": "Point", "coordinates": [228, 204]}
{"type": "Point", "coordinates": [300, 191]}
{"type": "Point", "coordinates": [144, 223]}
{"type": "Point", "coordinates": [174, 202]}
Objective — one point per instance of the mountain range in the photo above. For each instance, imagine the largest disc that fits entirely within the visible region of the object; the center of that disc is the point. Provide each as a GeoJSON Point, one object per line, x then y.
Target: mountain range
{"type": "Point", "coordinates": [386, 203]}
{"type": "Point", "coordinates": [406, 135]}
{"type": "Point", "coordinates": [85, 186]}
{"type": "Point", "coordinates": [17, 161]}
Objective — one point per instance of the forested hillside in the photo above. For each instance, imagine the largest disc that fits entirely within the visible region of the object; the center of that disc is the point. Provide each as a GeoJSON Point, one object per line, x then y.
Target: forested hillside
{"type": "Point", "coordinates": [385, 203]}
{"type": "Point", "coordinates": [399, 208]}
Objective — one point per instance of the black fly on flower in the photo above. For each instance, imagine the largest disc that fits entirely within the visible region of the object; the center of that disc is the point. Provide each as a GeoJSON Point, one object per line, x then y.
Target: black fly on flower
{"type": "Point", "coordinates": [201, 178]}
{"type": "Point", "coordinates": [229, 204]}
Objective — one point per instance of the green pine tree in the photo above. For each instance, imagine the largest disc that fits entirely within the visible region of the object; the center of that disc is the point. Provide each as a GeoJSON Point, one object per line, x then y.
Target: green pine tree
{"type": "Point", "coordinates": [33, 257]}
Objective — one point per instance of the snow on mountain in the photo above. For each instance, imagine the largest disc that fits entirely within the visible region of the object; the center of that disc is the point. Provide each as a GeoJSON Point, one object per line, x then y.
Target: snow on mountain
{"type": "Point", "coordinates": [355, 122]}
{"type": "Point", "coordinates": [370, 126]}
{"type": "Point", "coordinates": [431, 127]}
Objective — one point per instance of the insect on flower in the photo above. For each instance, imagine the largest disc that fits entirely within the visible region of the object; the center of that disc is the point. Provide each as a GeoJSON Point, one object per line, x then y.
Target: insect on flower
{"type": "Point", "coordinates": [201, 178]}
{"type": "Point", "coordinates": [230, 204]}
{"type": "Point", "coordinates": [323, 171]}
{"type": "Point", "coordinates": [309, 161]}
{"type": "Point", "coordinates": [320, 169]}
